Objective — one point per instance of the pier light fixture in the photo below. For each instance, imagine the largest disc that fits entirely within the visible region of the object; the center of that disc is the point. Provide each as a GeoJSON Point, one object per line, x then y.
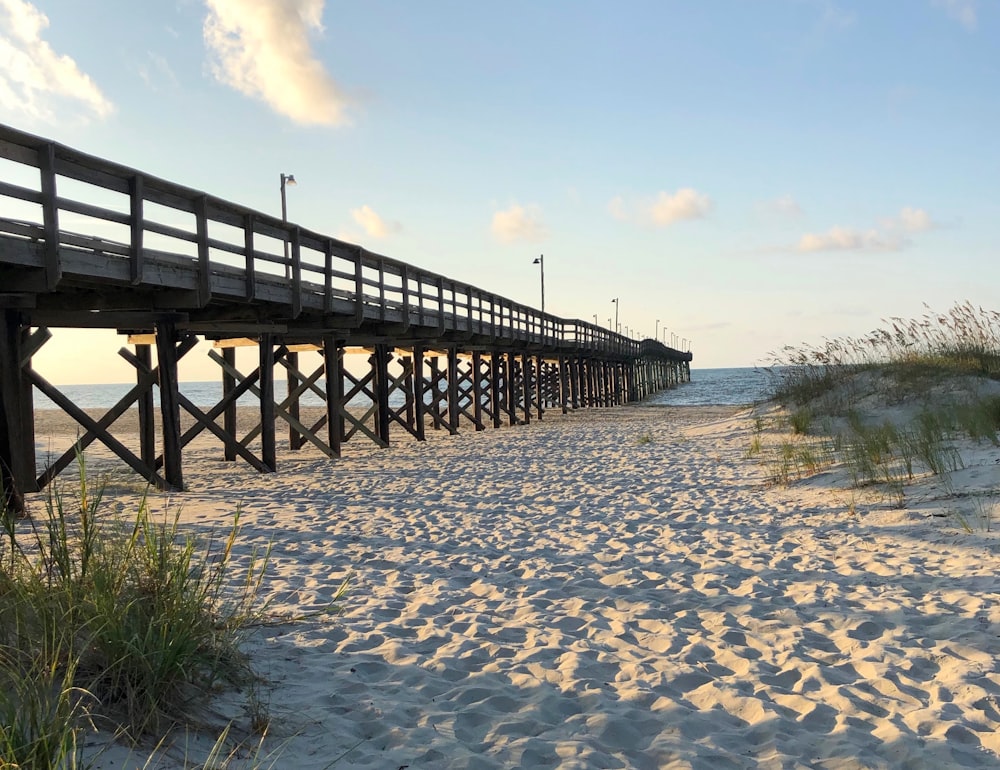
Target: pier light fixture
{"type": "Point", "coordinates": [617, 325]}
{"type": "Point", "coordinates": [595, 319]}
{"type": "Point", "coordinates": [286, 179]}
{"type": "Point", "coordinates": [540, 261]}
{"type": "Point", "coordinates": [656, 334]}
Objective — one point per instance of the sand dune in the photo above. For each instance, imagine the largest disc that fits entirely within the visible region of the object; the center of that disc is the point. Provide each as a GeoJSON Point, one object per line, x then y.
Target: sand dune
{"type": "Point", "coordinates": [612, 589]}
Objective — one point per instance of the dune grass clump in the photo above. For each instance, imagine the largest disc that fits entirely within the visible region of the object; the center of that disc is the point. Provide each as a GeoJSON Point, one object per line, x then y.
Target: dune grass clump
{"type": "Point", "coordinates": [938, 362]}
{"type": "Point", "coordinates": [912, 354]}
{"type": "Point", "coordinates": [115, 621]}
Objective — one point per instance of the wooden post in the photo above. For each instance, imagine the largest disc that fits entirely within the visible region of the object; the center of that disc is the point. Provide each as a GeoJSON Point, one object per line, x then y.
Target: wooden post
{"type": "Point", "coordinates": [229, 419]}
{"type": "Point", "coordinates": [294, 438]}
{"type": "Point", "coordinates": [564, 380]}
{"type": "Point", "coordinates": [50, 214]}
{"type": "Point", "coordinates": [477, 389]}
{"type": "Point", "coordinates": [409, 390]}
{"type": "Point", "coordinates": [13, 472]}
{"type": "Point", "coordinates": [511, 387]}
{"type": "Point", "coordinates": [380, 367]}
{"type": "Point", "coordinates": [453, 390]}
{"type": "Point", "coordinates": [147, 427]}
{"type": "Point", "coordinates": [333, 355]}
{"type": "Point", "coordinates": [419, 405]}
{"type": "Point", "coordinates": [435, 392]}
{"type": "Point", "coordinates": [268, 444]}
{"type": "Point", "coordinates": [539, 386]}
{"type": "Point", "coordinates": [170, 408]}
{"type": "Point", "coordinates": [526, 387]}
{"type": "Point", "coordinates": [496, 387]}
{"type": "Point", "coordinates": [574, 381]}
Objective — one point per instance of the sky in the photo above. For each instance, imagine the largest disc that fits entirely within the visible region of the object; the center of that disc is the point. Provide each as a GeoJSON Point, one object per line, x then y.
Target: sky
{"type": "Point", "coordinates": [740, 174]}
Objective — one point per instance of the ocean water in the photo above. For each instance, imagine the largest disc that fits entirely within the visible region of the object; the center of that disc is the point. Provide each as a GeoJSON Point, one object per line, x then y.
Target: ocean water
{"type": "Point", "coordinates": [707, 387]}
{"type": "Point", "coordinates": [719, 387]}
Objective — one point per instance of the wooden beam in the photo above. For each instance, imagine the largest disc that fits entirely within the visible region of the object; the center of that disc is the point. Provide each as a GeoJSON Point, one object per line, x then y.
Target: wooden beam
{"type": "Point", "coordinates": [379, 361]}
{"type": "Point", "coordinates": [229, 416]}
{"type": "Point", "coordinates": [453, 406]}
{"type": "Point", "coordinates": [147, 426]}
{"type": "Point", "coordinates": [50, 214]}
{"type": "Point", "coordinates": [137, 228]}
{"type": "Point", "coordinates": [170, 410]}
{"type": "Point", "coordinates": [334, 382]}
{"type": "Point", "coordinates": [267, 439]}
{"type": "Point", "coordinates": [419, 389]}
{"type": "Point", "coordinates": [477, 390]}
{"type": "Point", "coordinates": [13, 454]}
{"type": "Point", "coordinates": [292, 380]}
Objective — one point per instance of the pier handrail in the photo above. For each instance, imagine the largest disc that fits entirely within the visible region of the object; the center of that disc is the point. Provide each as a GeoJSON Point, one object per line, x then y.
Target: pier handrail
{"type": "Point", "coordinates": [176, 237]}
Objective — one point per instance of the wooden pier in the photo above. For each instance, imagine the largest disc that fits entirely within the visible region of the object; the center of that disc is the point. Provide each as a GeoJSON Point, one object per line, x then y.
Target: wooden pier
{"type": "Point", "coordinates": [171, 267]}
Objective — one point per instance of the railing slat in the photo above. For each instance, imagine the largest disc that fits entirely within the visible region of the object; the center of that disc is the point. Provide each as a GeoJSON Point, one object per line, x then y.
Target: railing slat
{"type": "Point", "coordinates": [50, 214]}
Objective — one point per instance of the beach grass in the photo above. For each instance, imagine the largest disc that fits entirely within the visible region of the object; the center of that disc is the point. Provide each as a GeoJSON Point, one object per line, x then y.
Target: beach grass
{"type": "Point", "coordinates": [891, 404]}
{"type": "Point", "coordinates": [114, 621]}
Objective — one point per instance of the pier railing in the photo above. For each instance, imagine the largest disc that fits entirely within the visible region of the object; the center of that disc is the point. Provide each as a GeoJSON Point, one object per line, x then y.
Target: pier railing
{"type": "Point", "coordinates": [77, 221]}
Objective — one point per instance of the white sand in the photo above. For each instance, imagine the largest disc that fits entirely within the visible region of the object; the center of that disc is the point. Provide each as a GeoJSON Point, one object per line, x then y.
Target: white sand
{"type": "Point", "coordinates": [567, 594]}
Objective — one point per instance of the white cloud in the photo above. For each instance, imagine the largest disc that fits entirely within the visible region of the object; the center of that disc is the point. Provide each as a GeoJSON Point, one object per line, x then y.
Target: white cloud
{"type": "Point", "coordinates": [848, 239]}
{"type": "Point", "coordinates": [784, 206]}
{"type": "Point", "coordinates": [373, 224]}
{"type": "Point", "coordinates": [519, 223]}
{"type": "Point", "coordinates": [262, 49]}
{"type": "Point", "coordinates": [962, 11]}
{"type": "Point", "coordinates": [915, 220]}
{"type": "Point", "coordinates": [665, 209]}
{"type": "Point", "coordinates": [891, 236]}
{"type": "Point", "coordinates": [35, 81]}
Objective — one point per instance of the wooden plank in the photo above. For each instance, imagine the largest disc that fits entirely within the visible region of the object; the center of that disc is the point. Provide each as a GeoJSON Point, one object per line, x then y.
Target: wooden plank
{"type": "Point", "coordinates": [50, 214]}
{"type": "Point", "coordinates": [249, 265]}
{"type": "Point", "coordinates": [419, 390]}
{"type": "Point", "coordinates": [204, 264]}
{"type": "Point", "coordinates": [380, 368]}
{"type": "Point", "coordinates": [334, 382]}
{"type": "Point", "coordinates": [292, 381]}
{"type": "Point", "coordinates": [170, 410]}
{"type": "Point", "coordinates": [296, 272]}
{"type": "Point", "coordinates": [496, 395]}
{"type": "Point", "coordinates": [477, 390]}
{"type": "Point", "coordinates": [511, 387]}
{"type": "Point", "coordinates": [229, 417]}
{"type": "Point", "coordinates": [453, 395]}
{"type": "Point", "coordinates": [12, 438]}
{"type": "Point", "coordinates": [147, 427]}
{"type": "Point", "coordinates": [526, 387]}
{"type": "Point", "coordinates": [267, 418]}
{"type": "Point", "coordinates": [539, 386]}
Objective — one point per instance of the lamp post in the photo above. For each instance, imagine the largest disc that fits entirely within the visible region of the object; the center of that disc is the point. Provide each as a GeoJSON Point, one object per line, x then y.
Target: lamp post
{"type": "Point", "coordinates": [617, 326]}
{"type": "Point", "coordinates": [286, 179]}
{"type": "Point", "coordinates": [595, 319]}
{"type": "Point", "coordinates": [656, 334]}
{"type": "Point", "coordinates": [541, 269]}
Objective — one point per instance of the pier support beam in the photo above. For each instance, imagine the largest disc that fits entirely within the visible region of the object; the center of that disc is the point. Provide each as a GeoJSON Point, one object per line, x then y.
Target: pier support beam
{"type": "Point", "coordinates": [170, 407]}
{"type": "Point", "coordinates": [16, 476]}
